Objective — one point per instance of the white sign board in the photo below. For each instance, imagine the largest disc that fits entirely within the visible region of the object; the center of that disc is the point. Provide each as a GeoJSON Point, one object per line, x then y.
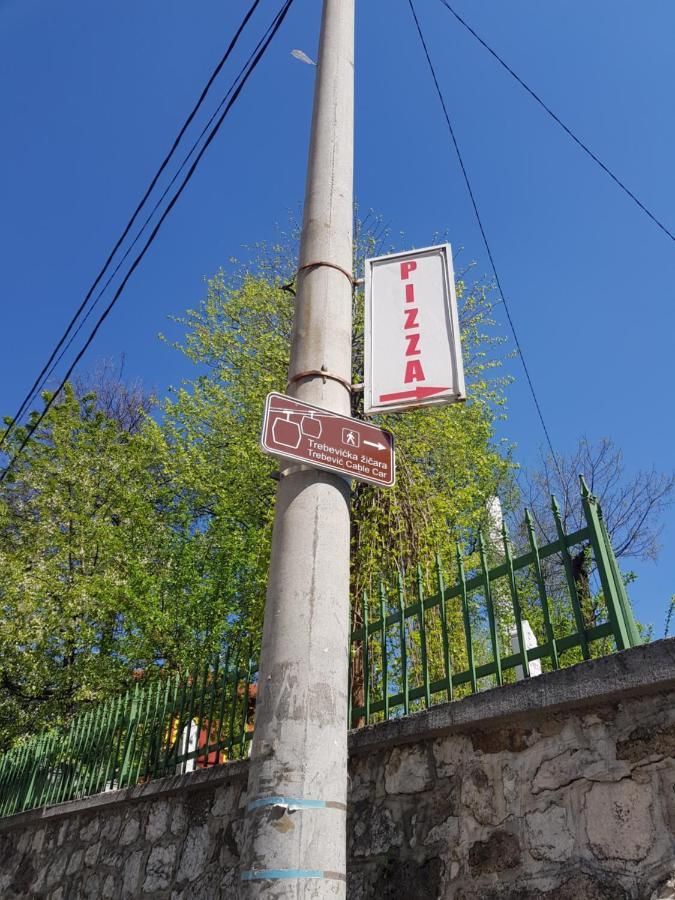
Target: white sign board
{"type": "Point", "coordinates": [413, 355]}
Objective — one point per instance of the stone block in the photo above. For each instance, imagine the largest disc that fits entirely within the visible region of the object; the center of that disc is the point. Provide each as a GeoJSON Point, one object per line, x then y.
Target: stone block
{"type": "Point", "coordinates": [584, 886]}
{"type": "Point", "coordinates": [178, 818]}
{"type": "Point", "coordinates": [91, 854]}
{"type": "Point", "coordinates": [446, 834]}
{"type": "Point", "coordinates": [198, 807]}
{"type": "Point", "coordinates": [365, 773]}
{"type": "Point", "coordinates": [130, 831]}
{"type": "Point", "coordinates": [618, 820]}
{"type": "Point", "coordinates": [109, 890]}
{"type": "Point", "coordinates": [159, 869]}
{"type": "Point", "coordinates": [357, 885]}
{"type": "Point", "coordinates": [111, 856]}
{"type": "Point", "coordinates": [407, 770]}
{"type": "Point", "coordinates": [24, 841]}
{"type": "Point", "coordinates": [208, 887]}
{"type": "Point", "coordinates": [647, 741]}
{"type": "Point", "coordinates": [195, 853]}
{"type": "Point", "coordinates": [63, 833]}
{"type": "Point", "coordinates": [400, 879]}
{"type": "Point", "coordinates": [38, 840]}
{"type": "Point", "coordinates": [548, 834]}
{"type": "Point", "coordinates": [75, 862]}
{"type": "Point", "coordinates": [111, 828]}
{"type": "Point", "coordinates": [158, 820]}
{"type": "Point", "coordinates": [92, 887]}
{"type": "Point", "coordinates": [56, 869]}
{"type": "Point", "coordinates": [450, 753]}
{"type": "Point", "coordinates": [224, 801]}
{"type": "Point", "coordinates": [503, 740]}
{"type": "Point", "coordinates": [132, 874]}
{"type": "Point", "coordinates": [567, 766]}
{"type": "Point", "coordinates": [374, 831]}
{"type": "Point", "coordinates": [90, 830]}
{"type": "Point", "coordinates": [481, 796]}
{"type": "Point", "coordinates": [499, 852]}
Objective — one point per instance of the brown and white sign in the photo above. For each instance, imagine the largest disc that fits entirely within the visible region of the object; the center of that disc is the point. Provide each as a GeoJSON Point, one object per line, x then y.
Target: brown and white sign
{"type": "Point", "coordinates": [308, 434]}
{"type": "Point", "coordinates": [413, 352]}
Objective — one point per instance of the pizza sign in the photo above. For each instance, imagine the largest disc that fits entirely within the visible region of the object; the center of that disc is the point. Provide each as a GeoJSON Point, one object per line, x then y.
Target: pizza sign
{"type": "Point", "coordinates": [413, 352]}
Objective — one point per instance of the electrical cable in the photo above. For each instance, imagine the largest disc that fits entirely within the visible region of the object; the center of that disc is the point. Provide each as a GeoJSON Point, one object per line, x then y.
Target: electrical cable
{"type": "Point", "coordinates": [36, 384]}
{"type": "Point", "coordinates": [145, 224]}
{"type": "Point", "coordinates": [281, 15]}
{"type": "Point", "coordinates": [559, 121]}
{"type": "Point", "coordinates": [485, 240]}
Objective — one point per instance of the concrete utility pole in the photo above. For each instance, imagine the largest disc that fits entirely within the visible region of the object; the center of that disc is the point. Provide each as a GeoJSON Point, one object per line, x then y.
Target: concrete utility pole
{"type": "Point", "coordinates": [295, 840]}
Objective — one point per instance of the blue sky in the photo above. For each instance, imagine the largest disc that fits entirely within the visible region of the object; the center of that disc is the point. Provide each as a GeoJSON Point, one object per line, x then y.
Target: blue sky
{"type": "Point", "coordinates": [92, 95]}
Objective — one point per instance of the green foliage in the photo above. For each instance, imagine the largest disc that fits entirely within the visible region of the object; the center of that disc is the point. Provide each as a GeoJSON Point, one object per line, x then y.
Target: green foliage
{"type": "Point", "coordinates": [107, 572]}
{"type": "Point", "coordinates": [140, 548]}
{"type": "Point", "coordinates": [448, 464]}
{"type": "Point", "coordinates": [77, 544]}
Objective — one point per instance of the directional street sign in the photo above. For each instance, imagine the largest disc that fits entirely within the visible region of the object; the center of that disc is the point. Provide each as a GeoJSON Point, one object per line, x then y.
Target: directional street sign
{"type": "Point", "coordinates": [298, 431]}
{"type": "Point", "coordinates": [413, 351]}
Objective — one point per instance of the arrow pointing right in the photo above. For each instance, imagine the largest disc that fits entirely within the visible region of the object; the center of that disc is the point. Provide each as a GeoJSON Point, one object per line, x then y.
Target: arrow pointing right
{"type": "Point", "coordinates": [378, 446]}
{"type": "Point", "coordinates": [419, 393]}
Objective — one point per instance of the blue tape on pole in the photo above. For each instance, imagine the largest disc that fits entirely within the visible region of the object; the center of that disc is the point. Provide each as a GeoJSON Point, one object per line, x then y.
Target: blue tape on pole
{"type": "Point", "coordinates": [259, 874]}
{"type": "Point", "coordinates": [294, 802]}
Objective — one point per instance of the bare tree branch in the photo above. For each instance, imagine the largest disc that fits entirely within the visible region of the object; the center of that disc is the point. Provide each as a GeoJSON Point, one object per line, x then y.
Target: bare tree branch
{"type": "Point", "coordinates": [632, 504]}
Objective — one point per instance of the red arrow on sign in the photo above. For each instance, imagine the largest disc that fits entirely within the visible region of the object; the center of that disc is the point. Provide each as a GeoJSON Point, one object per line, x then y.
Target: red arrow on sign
{"type": "Point", "coordinates": [418, 394]}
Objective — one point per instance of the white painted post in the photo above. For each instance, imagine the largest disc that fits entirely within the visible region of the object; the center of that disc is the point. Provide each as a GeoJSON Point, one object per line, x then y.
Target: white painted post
{"type": "Point", "coordinates": [530, 643]}
{"type": "Point", "coordinates": [185, 746]}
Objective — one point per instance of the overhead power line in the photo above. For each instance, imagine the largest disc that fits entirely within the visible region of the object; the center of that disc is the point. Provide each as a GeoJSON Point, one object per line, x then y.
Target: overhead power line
{"type": "Point", "coordinates": [46, 371]}
{"type": "Point", "coordinates": [147, 220]}
{"type": "Point", "coordinates": [485, 240]}
{"type": "Point", "coordinates": [250, 68]}
{"type": "Point", "coordinates": [556, 118]}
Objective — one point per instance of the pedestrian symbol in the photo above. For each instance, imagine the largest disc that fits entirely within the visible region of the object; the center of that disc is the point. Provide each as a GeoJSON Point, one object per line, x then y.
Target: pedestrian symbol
{"type": "Point", "coordinates": [350, 437]}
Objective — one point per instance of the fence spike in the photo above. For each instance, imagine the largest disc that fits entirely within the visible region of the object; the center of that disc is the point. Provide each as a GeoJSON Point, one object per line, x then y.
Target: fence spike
{"type": "Point", "coordinates": [515, 602]}
{"type": "Point", "coordinates": [404, 644]}
{"type": "Point", "coordinates": [492, 620]}
{"type": "Point", "coordinates": [423, 637]}
{"type": "Point", "coordinates": [569, 576]}
{"type": "Point", "coordinates": [447, 665]}
{"type": "Point", "coordinates": [366, 657]}
{"type": "Point", "coordinates": [541, 586]}
{"type": "Point", "coordinates": [385, 659]}
{"type": "Point", "coordinates": [467, 620]}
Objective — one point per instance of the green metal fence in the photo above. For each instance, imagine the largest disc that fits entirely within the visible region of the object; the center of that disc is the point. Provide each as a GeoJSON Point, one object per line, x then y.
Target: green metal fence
{"type": "Point", "coordinates": [409, 652]}
{"type": "Point", "coordinates": [405, 656]}
{"type": "Point", "coordinates": [168, 727]}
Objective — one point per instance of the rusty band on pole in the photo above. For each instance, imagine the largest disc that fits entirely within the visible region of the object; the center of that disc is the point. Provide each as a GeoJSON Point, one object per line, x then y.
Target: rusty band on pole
{"type": "Point", "coordinates": [322, 373]}
{"type": "Point", "coordinates": [321, 262]}
{"type": "Point", "coordinates": [313, 265]}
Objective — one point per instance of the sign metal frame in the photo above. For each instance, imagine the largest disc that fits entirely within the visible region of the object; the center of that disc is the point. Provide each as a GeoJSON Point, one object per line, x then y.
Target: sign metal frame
{"type": "Point", "coordinates": [419, 395]}
{"type": "Point", "coordinates": [354, 437]}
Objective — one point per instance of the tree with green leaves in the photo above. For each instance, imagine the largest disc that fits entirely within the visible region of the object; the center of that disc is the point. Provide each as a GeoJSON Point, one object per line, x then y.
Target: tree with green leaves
{"type": "Point", "coordinates": [133, 543]}
{"type": "Point", "coordinates": [105, 575]}
{"type": "Point", "coordinates": [448, 461]}
{"type": "Point", "coordinates": [76, 529]}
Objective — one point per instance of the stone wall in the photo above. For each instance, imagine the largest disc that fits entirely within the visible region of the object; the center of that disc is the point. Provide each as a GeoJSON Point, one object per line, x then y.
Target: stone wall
{"type": "Point", "coordinates": [567, 806]}
{"type": "Point", "coordinates": [178, 838]}
{"type": "Point", "coordinates": [562, 787]}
